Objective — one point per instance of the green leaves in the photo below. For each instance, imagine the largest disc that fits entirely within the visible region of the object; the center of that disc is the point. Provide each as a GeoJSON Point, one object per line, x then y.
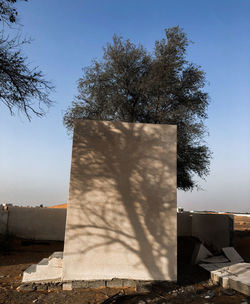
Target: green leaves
{"type": "Point", "coordinates": [130, 84]}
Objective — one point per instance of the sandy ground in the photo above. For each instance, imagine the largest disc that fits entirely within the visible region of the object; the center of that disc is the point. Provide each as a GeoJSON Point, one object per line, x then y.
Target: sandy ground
{"type": "Point", "coordinates": [192, 287]}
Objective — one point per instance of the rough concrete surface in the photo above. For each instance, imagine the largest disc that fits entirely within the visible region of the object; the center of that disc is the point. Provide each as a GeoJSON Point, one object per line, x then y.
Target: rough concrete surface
{"type": "Point", "coordinates": [236, 276]}
{"type": "Point", "coordinates": [47, 270]}
{"type": "Point", "coordinates": [121, 216]}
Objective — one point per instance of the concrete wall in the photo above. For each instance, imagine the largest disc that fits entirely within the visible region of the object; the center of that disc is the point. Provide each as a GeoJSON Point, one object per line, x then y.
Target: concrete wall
{"type": "Point", "coordinates": [34, 223]}
{"type": "Point", "coordinates": [184, 224]}
{"type": "Point", "coordinates": [3, 221]}
{"type": "Point", "coordinates": [121, 217]}
{"type": "Point", "coordinates": [214, 230]}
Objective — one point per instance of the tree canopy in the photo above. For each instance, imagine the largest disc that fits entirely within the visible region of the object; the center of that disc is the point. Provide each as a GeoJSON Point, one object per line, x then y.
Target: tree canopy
{"type": "Point", "coordinates": [22, 87]}
{"type": "Point", "coordinates": [132, 85]}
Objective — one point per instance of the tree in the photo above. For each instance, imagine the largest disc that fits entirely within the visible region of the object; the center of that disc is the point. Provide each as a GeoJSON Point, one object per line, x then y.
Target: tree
{"type": "Point", "coordinates": [132, 85]}
{"type": "Point", "coordinates": [20, 85]}
{"type": "Point", "coordinates": [8, 13]}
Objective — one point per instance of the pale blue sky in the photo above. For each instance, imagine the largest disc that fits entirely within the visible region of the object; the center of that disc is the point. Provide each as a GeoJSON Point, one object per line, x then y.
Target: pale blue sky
{"type": "Point", "coordinates": [35, 156]}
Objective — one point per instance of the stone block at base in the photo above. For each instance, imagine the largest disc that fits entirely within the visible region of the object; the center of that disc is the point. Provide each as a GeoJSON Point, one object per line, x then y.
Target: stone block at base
{"type": "Point", "coordinates": [129, 283]}
{"type": "Point", "coordinates": [67, 286]}
{"type": "Point", "coordinates": [114, 283]}
{"type": "Point", "coordinates": [97, 284]}
{"type": "Point", "coordinates": [80, 284]}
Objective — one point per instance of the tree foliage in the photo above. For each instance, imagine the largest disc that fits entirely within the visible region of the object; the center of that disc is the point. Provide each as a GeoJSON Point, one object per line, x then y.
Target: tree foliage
{"type": "Point", "coordinates": [22, 88]}
{"type": "Point", "coordinates": [132, 85]}
{"type": "Point", "coordinates": [8, 12]}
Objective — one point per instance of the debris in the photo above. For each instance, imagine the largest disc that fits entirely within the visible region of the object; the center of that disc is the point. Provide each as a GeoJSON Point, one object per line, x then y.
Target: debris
{"type": "Point", "coordinates": [42, 287]}
{"type": "Point", "coordinates": [232, 255]}
{"type": "Point", "coordinates": [228, 292]}
{"type": "Point", "coordinates": [26, 287]}
{"type": "Point", "coordinates": [235, 276]}
{"type": "Point", "coordinates": [113, 298]}
{"type": "Point", "coordinates": [215, 266]}
{"type": "Point", "coordinates": [215, 259]}
{"type": "Point", "coordinates": [200, 252]}
{"type": "Point", "coordinates": [143, 286]}
{"type": "Point", "coordinates": [245, 301]}
{"type": "Point", "coordinates": [52, 288]}
{"type": "Point", "coordinates": [67, 286]}
{"type": "Point", "coordinates": [210, 294]}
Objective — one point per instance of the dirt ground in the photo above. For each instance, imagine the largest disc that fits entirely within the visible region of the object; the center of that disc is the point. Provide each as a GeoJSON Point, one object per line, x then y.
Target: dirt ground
{"type": "Point", "coordinates": [192, 287]}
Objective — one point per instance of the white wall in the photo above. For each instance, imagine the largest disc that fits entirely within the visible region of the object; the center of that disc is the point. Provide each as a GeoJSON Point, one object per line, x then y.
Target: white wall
{"type": "Point", "coordinates": [121, 220]}
{"type": "Point", "coordinates": [34, 223]}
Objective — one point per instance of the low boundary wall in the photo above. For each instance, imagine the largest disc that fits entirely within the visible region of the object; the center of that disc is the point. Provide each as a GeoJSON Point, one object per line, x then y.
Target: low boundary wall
{"type": "Point", "coordinates": [34, 223]}
{"type": "Point", "coordinates": [213, 230]}
{"type": "Point", "coordinates": [49, 224]}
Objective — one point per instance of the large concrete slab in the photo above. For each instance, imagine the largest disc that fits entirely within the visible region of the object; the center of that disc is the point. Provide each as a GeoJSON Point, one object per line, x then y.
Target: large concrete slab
{"type": "Point", "coordinates": [121, 217]}
{"type": "Point", "coordinates": [236, 276]}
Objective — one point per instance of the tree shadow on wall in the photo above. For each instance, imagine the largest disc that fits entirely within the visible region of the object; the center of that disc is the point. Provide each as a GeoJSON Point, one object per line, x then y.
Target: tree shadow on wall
{"type": "Point", "coordinates": [122, 201]}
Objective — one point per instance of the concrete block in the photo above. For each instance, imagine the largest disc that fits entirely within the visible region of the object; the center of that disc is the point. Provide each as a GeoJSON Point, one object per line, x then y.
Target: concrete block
{"type": "Point", "coordinates": [225, 283]}
{"type": "Point", "coordinates": [55, 260]}
{"type": "Point", "coordinates": [200, 252]}
{"type": "Point", "coordinates": [67, 286]}
{"type": "Point", "coordinates": [97, 284]}
{"type": "Point", "coordinates": [43, 271]}
{"type": "Point", "coordinates": [26, 287]}
{"type": "Point", "coordinates": [235, 276]}
{"type": "Point", "coordinates": [232, 255]}
{"type": "Point", "coordinates": [215, 266]}
{"type": "Point", "coordinates": [43, 262]}
{"type": "Point", "coordinates": [129, 283]}
{"type": "Point", "coordinates": [80, 284]}
{"type": "Point", "coordinates": [240, 278]}
{"type": "Point", "coordinates": [220, 276]}
{"type": "Point", "coordinates": [240, 286]}
{"type": "Point", "coordinates": [121, 215]}
{"type": "Point", "coordinates": [209, 267]}
{"type": "Point", "coordinates": [114, 283]}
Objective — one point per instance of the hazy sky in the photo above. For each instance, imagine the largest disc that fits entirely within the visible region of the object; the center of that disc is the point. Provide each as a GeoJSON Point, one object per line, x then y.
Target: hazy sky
{"type": "Point", "coordinates": [35, 156]}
